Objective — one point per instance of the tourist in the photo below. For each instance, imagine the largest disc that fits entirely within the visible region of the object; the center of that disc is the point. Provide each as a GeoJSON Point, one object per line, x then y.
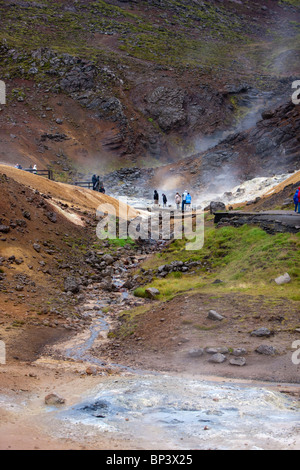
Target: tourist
{"type": "Point", "coordinates": [184, 200]}
{"type": "Point", "coordinates": [296, 200]}
{"type": "Point", "coordinates": [178, 201]}
{"type": "Point", "coordinates": [94, 181]}
{"type": "Point", "coordinates": [97, 184]}
{"type": "Point", "coordinates": [102, 189]}
{"type": "Point", "coordinates": [188, 201]}
{"type": "Point", "coordinates": [156, 197]}
{"type": "Point", "coordinates": [165, 200]}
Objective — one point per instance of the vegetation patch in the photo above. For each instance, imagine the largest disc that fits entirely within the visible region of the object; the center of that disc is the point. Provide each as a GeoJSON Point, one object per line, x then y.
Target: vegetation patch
{"type": "Point", "coordinates": [245, 259]}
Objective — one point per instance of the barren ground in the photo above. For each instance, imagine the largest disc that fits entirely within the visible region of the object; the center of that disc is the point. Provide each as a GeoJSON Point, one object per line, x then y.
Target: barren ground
{"type": "Point", "coordinates": [160, 343]}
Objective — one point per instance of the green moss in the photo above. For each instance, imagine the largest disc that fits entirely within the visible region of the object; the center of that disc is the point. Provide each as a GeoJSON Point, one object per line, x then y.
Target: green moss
{"type": "Point", "coordinates": [121, 242]}
{"type": "Point", "coordinates": [294, 3]}
{"type": "Point", "coordinates": [140, 292]}
{"type": "Point", "coordinates": [246, 259]}
{"type": "Point", "coordinates": [50, 25]}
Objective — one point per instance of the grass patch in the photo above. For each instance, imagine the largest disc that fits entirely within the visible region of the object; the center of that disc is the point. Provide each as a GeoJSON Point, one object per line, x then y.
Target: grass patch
{"type": "Point", "coordinates": [140, 292]}
{"type": "Point", "coordinates": [246, 259]}
{"type": "Point", "coordinates": [120, 242]}
{"type": "Point", "coordinates": [205, 328]}
{"type": "Point", "coordinates": [294, 3]}
{"type": "Point", "coordinates": [172, 286]}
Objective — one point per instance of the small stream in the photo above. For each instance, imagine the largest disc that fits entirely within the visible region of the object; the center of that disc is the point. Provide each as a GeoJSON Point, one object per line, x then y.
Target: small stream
{"type": "Point", "coordinates": [99, 329]}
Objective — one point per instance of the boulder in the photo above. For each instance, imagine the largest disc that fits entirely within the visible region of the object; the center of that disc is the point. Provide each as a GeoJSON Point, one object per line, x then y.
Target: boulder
{"type": "Point", "coordinates": [216, 206]}
{"type": "Point", "coordinates": [237, 352]}
{"type": "Point", "coordinates": [167, 106]}
{"type": "Point", "coordinates": [198, 352]}
{"type": "Point", "coordinates": [266, 350]}
{"type": "Point", "coordinates": [152, 293]}
{"type": "Point", "coordinates": [27, 215]}
{"type": "Point", "coordinates": [238, 361]}
{"type": "Point", "coordinates": [285, 279]}
{"type": "Point", "coordinates": [107, 259]}
{"type": "Point", "coordinates": [163, 268]}
{"type": "Point", "coordinates": [71, 285]}
{"type": "Point", "coordinates": [37, 247]}
{"type": "Point", "coordinates": [52, 217]}
{"type": "Point", "coordinates": [261, 332]}
{"type": "Point", "coordinates": [54, 400]}
{"type": "Point", "coordinates": [220, 350]}
{"type": "Point", "coordinates": [212, 315]}
{"type": "Point", "coordinates": [217, 358]}
{"type": "Point", "coordinates": [91, 370]}
{"type": "Point", "coordinates": [211, 350]}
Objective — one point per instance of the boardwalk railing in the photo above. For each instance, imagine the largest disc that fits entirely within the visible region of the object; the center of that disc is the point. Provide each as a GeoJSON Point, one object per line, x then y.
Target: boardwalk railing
{"type": "Point", "coordinates": [84, 184]}
{"type": "Point", "coordinates": [89, 185]}
{"type": "Point", "coordinates": [48, 173]}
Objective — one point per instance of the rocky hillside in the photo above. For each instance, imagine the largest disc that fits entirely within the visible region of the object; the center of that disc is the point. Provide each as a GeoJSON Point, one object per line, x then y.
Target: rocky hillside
{"type": "Point", "coordinates": [93, 86]}
{"type": "Point", "coordinates": [49, 253]}
{"type": "Point", "coordinates": [271, 146]}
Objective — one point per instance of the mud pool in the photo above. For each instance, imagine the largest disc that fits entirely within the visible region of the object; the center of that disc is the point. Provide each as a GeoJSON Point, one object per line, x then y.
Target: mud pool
{"type": "Point", "coordinates": [171, 412]}
{"type": "Point", "coordinates": [158, 411]}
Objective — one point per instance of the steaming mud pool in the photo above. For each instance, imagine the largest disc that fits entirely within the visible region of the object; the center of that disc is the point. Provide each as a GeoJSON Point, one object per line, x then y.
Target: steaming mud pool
{"type": "Point", "coordinates": [158, 411]}
{"type": "Point", "coordinates": [171, 412]}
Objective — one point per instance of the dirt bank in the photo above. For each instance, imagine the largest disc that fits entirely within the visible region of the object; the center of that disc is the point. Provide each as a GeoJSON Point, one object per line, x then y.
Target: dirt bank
{"type": "Point", "coordinates": [164, 337]}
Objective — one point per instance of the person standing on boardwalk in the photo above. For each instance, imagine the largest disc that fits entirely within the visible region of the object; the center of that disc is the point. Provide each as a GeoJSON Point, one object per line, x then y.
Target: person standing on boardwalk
{"type": "Point", "coordinates": [156, 197]}
{"type": "Point", "coordinates": [188, 201]}
{"type": "Point", "coordinates": [94, 181]}
{"type": "Point", "coordinates": [101, 188]}
{"type": "Point", "coordinates": [97, 184]}
{"type": "Point", "coordinates": [184, 200]}
{"type": "Point", "coordinates": [178, 201]}
{"type": "Point", "coordinates": [296, 201]}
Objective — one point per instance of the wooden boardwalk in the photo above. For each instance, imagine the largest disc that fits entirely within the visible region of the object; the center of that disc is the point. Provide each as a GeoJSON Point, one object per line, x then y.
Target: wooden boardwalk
{"type": "Point", "coordinates": [271, 221]}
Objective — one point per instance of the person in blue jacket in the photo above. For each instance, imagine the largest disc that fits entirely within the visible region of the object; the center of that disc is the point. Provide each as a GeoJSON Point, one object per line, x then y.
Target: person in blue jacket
{"type": "Point", "coordinates": [296, 199]}
{"type": "Point", "coordinates": [188, 201]}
